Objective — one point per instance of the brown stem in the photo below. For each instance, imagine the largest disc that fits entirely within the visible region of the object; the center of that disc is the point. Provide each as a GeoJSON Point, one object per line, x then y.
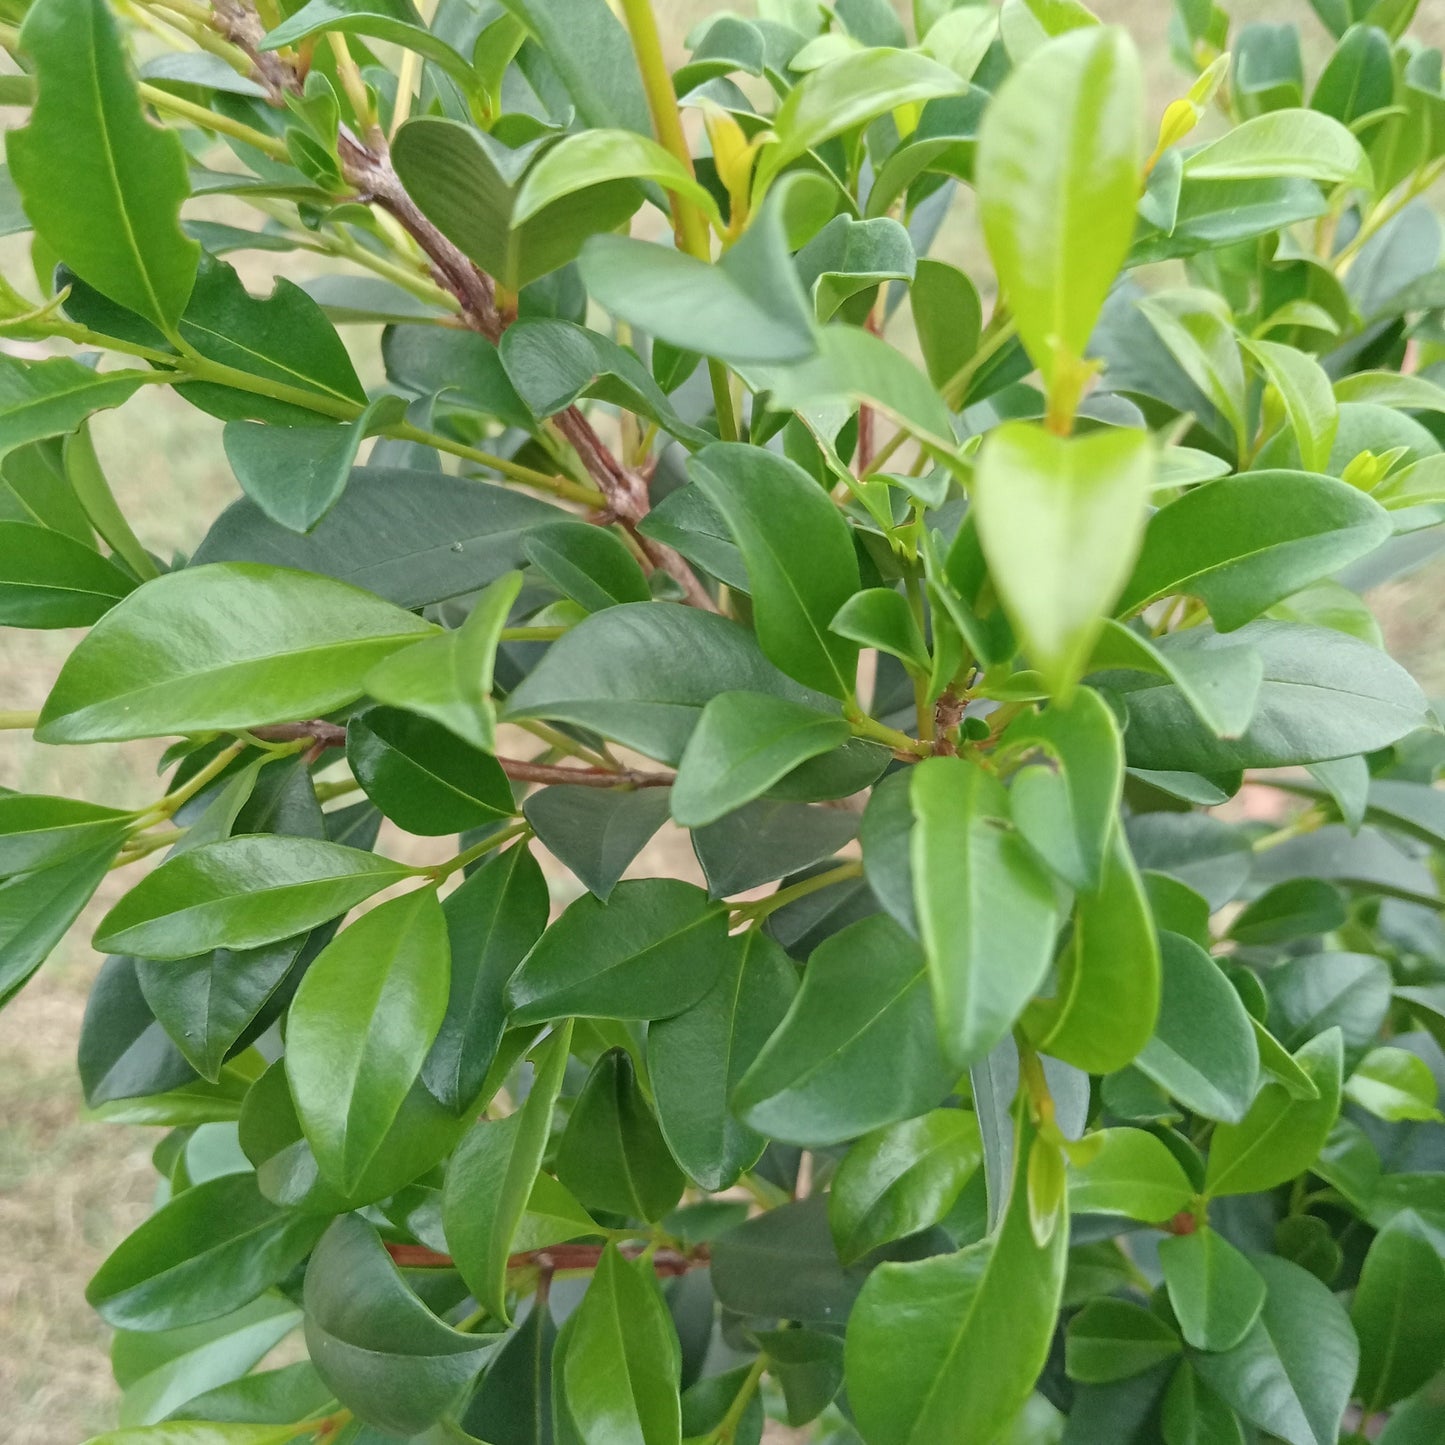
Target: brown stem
{"type": "Point", "coordinates": [667, 1262]}
{"type": "Point", "coordinates": [325, 735]}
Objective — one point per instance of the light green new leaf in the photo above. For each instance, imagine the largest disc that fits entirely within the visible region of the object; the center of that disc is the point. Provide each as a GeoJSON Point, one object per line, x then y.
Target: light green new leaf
{"type": "Point", "coordinates": [197, 1432]}
{"type": "Point", "coordinates": [241, 893]}
{"type": "Point", "coordinates": [360, 1026]}
{"type": "Point", "coordinates": [1304, 388]}
{"type": "Point", "coordinates": [1281, 1135]}
{"type": "Point", "coordinates": [1058, 175]}
{"type": "Point", "coordinates": [1395, 1085]}
{"type": "Point", "coordinates": [945, 1351]}
{"type": "Point", "coordinates": [102, 185]}
{"type": "Point", "coordinates": [232, 644]}
{"type": "Point", "coordinates": [1300, 143]}
{"type": "Point", "coordinates": [40, 399]}
{"type": "Point", "coordinates": [449, 678]}
{"type": "Point", "coordinates": [985, 908]}
{"type": "Point", "coordinates": [743, 744]}
{"type": "Point", "coordinates": [620, 1362]}
{"type": "Point", "coordinates": [590, 158]}
{"type": "Point", "coordinates": [1131, 1172]}
{"type": "Point", "coordinates": [799, 555]}
{"type": "Point", "coordinates": [1061, 520]}
{"type": "Point", "coordinates": [491, 1178]}
{"type": "Point", "coordinates": [851, 91]}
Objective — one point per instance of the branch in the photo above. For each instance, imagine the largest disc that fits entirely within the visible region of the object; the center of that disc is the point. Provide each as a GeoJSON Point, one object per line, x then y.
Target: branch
{"type": "Point", "coordinates": [368, 168]}
{"type": "Point", "coordinates": [332, 735]}
{"type": "Point", "coordinates": [667, 1262]}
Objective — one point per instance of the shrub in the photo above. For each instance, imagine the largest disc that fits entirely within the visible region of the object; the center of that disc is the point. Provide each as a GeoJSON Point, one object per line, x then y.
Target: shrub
{"type": "Point", "coordinates": [991, 1085]}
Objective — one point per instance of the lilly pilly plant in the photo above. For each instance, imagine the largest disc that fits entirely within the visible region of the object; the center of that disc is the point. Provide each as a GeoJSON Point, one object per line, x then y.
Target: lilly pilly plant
{"type": "Point", "coordinates": [1001, 1081]}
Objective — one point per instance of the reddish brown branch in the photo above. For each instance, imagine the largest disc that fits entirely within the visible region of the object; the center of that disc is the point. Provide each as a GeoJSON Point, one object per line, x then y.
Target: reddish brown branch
{"type": "Point", "coordinates": [323, 735]}
{"type": "Point", "coordinates": [556, 1257]}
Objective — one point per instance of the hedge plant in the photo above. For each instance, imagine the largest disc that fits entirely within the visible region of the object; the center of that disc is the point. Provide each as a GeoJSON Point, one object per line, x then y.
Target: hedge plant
{"type": "Point", "coordinates": [894, 453]}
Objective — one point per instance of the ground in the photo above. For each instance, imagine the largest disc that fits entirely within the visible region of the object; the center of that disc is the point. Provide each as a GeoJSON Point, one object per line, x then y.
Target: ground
{"type": "Point", "coordinates": [70, 1190]}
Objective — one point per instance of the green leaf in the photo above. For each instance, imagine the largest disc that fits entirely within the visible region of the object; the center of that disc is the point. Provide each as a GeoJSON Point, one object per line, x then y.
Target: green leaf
{"type": "Point", "coordinates": [1243, 543]}
{"type": "Point", "coordinates": [242, 893]}
{"type": "Point", "coordinates": [493, 919]}
{"type": "Point", "coordinates": [491, 1178]}
{"type": "Point", "coordinates": [1297, 908]}
{"type": "Point", "coordinates": [768, 840]}
{"type": "Point", "coordinates": [593, 55]}
{"type": "Point", "coordinates": [652, 950]}
{"type": "Point", "coordinates": [361, 1024]}
{"type": "Point", "coordinates": [589, 158]}
{"type": "Point", "coordinates": [850, 92]}
{"type": "Point", "coordinates": [1203, 1051]}
{"type": "Point", "coordinates": [210, 1250]}
{"type": "Point", "coordinates": [1061, 520]}
{"type": "Point", "coordinates": [986, 910]}
{"type": "Point", "coordinates": [231, 645]}
{"type": "Point", "coordinates": [1304, 389]}
{"type": "Point", "coordinates": [808, 1365]}
{"type": "Point", "coordinates": [901, 1180]}
{"type": "Point", "coordinates": [743, 744]}
{"type": "Point", "coordinates": [50, 580]}
{"type": "Point", "coordinates": [197, 1432]}
{"type": "Point", "coordinates": [697, 1057]}
{"type": "Point", "coordinates": [1320, 991]}
{"type": "Point", "coordinates": [587, 564]}
{"type": "Point", "coordinates": [1324, 695]}
{"type": "Point", "coordinates": [467, 182]}
{"type": "Point", "coordinates": [749, 307]}
{"type": "Point", "coordinates": [948, 315]}
{"type": "Point", "coordinates": [39, 832]}
{"type": "Point", "coordinates": [40, 399]}
{"type": "Point", "coordinates": [1197, 328]}
{"type": "Point", "coordinates": [1280, 1135]}
{"type": "Point", "coordinates": [448, 679]}
{"type": "Point", "coordinates": [857, 1050]}
{"type": "Point", "coordinates": [1215, 1292]}
{"type": "Point", "coordinates": [797, 589]}
{"type": "Point", "coordinates": [297, 474]}
{"type": "Point", "coordinates": [395, 23]}
{"type": "Point", "coordinates": [642, 673]}
{"type": "Point", "coordinates": [613, 1156]}
{"type": "Point", "coordinates": [1059, 158]}
{"type": "Point", "coordinates": [1291, 1374]}
{"type": "Point", "coordinates": [102, 185]}
{"type": "Point", "coordinates": [1195, 1415]}
{"type": "Point", "coordinates": [1107, 1000]}
{"type": "Point", "coordinates": [1112, 1339]}
{"type": "Point", "coordinates": [423, 776]}
{"type": "Point", "coordinates": [596, 832]}
{"type": "Point", "coordinates": [946, 1350]}
{"type": "Point", "coordinates": [1399, 1314]}
{"type": "Point", "coordinates": [1132, 1173]}
{"type": "Point", "coordinates": [1395, 1085]}
{"type": "Point", "coordinates": [849, 259]}
{"type": "Point", "coordinates": [388, 1358]}
{"type": "Point", "coordinates": [1302, 143]}
{"type": "Point", "coordinates": [620, 1362]}
{"type": "Point", "coordinates": [880, 617]}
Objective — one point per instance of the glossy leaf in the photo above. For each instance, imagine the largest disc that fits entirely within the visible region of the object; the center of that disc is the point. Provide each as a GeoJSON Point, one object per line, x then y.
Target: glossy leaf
{"type": "Point", "coordinates": [1215, 1292]}
{"type": "Point", "coordinates": [234, 645]}
{"type": "Point", "coordinates": [1129, 1172]}
{"type": "Point", "coordinates": [1397, 1312]}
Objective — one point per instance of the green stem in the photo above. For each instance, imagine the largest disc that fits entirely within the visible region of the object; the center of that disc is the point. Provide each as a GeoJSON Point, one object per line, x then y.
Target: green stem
{"type": "Point", "coordinates": [1386, 212]}
{"type": "Point", "coordinates": [727, 1427]}
{"type": "Point", "coordinates": [755, 912]}
{"type": "Point", "coordinates": [18, 721]}
{"type": "Point", "coordinates": [868, 727]}
{"type": "Point", "coordinates": [689, 220]}
{"type": "Point", "coordinates": [1307, 822]}
{"type": "Point", "coordinates": [532, 634]}
{"type": "Point", "coordinates": [198, 115]}
{"type": "Point", "coordinates": [438, 871]}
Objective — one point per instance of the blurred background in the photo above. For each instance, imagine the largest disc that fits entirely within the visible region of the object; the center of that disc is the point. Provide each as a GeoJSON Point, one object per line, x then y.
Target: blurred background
{"type": "Point", "coordinates": [70, 1190]}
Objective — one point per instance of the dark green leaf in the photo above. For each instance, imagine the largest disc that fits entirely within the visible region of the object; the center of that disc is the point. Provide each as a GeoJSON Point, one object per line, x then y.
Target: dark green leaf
{"type": "Point", "coordinates": [1399, 1314]}
{"type": "Point", "coordinates": [1111, 1339]}
{"type": "Point", "coordinates": [50, 580]}
{"type": "Point", "coordinates": [596, 832]}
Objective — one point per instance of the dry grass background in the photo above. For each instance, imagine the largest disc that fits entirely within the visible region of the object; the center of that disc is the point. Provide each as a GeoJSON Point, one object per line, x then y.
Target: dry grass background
{"type": "Point", "coordinates": [70, 1190]}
